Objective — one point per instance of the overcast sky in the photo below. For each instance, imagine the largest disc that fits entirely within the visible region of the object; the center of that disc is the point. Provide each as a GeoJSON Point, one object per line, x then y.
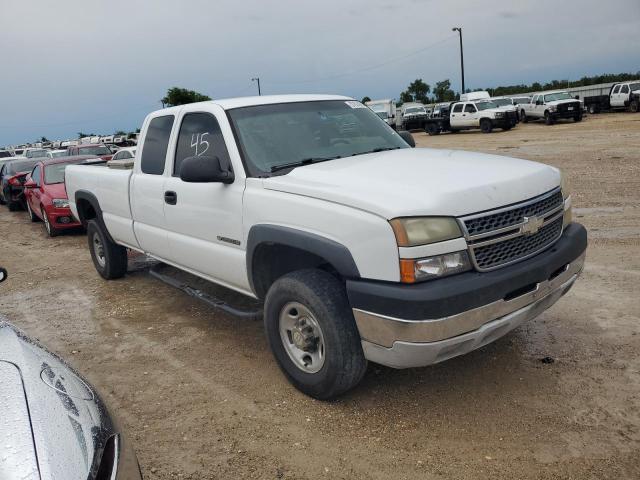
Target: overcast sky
{"type": "Point", "coordinates": [100, 66]}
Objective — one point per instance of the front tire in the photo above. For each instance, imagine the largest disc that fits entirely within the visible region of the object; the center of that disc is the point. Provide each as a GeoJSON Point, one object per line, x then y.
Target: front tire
{"type": "Point", "coordinates": [312, 333]}
{"type": "Point", "coordinates": [577, 118]}
{"type": "Point", "coordinates": [486, 126]}
{"type": "Point", "coordinates": [523, 117]}
{"type": "Point", "coordinates": [51, 230]}
{"type": "Point", "coordinates": [109, 258]}
{"type": "Point", "coordinates": [548, 119]}
{"type": "Point", "coordinates": [433, 129]}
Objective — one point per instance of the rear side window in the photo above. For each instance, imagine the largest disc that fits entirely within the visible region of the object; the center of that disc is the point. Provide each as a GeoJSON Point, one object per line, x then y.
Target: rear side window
{"type": "Point", "coordinates": [200, 134]}
{"type": "Point", "coordinates": [469, 108]}
{"type": "Point", "coordinates": [624, 89]}
{"type": "Point", "coordinates": [457, 108]}
{"type": "Point", "coordinates": [156, 142]}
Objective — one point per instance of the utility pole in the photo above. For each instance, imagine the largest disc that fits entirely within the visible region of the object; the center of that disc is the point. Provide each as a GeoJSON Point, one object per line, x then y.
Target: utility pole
{"type": "Point", "coordinates": [257, 79]}
{"type": "Point", "coordinates": [459, 30]}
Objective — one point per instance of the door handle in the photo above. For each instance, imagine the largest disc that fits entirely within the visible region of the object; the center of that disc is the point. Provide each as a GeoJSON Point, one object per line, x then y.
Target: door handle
{"type": "Point", "coordinates": [170, 197]}
{"type": "Point", "coordinates": [464, 114]}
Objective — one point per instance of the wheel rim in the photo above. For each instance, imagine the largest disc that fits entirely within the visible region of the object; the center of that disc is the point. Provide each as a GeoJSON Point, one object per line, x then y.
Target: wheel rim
{"type": "Point", "coordinates": [302, 337]}
{"type": "Point", "coordinates": [46, 221]}
{"type": "Point", "coordinates": [98, 249]}
{"type": "Point", "coordinates": [29, 210]}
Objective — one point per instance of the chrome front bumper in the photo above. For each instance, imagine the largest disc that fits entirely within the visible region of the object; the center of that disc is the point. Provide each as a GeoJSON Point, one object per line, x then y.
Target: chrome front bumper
{"type": "Point", "coordinates": [400, 343]}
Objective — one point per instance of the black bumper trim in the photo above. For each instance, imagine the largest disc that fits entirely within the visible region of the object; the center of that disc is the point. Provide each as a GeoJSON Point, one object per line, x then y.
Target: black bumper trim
{"type": "Point", "coordinates": [459, 293]}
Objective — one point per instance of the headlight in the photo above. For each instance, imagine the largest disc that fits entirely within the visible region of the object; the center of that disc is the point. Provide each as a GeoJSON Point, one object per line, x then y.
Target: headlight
{"type": "Point", "coordinates": [418, 270]}
{"type": "Point", "coordinates": [413, 231]}
{"type": "Point", "coordinates": [566, 195]}
{"type": "Point", "coordinates": [499, 114]}
{"type": "Point", "coordinates": [552, 108]}
{"type": "Point", "coordinates": [61, 203]}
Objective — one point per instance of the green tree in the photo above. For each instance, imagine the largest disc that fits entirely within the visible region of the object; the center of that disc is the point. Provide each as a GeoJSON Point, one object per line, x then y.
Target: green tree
{"type": "Point", "coordinates": [405, 97]}
{"type": "Point", "coordinates": [82, 134]}
{"type": "Point", "coordinates": [180, 96]}
{"type": "Point", "coordinates": [417, 91]}
{"type": "Point", "coordinates": [44, 139]}
{"type": "Point", "coordinates": [120, 133]}
{"type": "Point", "coordinates": [366, 99]}
{"type": "Point", "coordinates": [443, 91]}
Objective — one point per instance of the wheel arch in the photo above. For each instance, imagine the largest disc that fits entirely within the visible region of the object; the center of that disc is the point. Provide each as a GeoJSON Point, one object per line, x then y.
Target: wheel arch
{"type": "Point", "coordinates": [274, 251]}
{"type": "Point", "coordinates": [88, 208]}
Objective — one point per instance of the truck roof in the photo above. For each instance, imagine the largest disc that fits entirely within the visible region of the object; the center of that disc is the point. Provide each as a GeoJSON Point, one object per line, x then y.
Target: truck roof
{"type": "Point", "coordinates": [230, 103]}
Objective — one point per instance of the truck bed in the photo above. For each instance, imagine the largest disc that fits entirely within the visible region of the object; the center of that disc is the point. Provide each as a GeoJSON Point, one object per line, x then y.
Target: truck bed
{"type": "Point", "coordinates": [110, 188]}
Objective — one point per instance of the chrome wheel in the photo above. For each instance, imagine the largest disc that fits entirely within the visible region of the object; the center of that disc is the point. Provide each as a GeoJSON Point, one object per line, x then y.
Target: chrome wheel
{"type": "Point", "coordinates": [98, 249]}
{"type": "Point", "coordinates": [302, 337]}
{"type": "Point", "coordinates": [47, 225]}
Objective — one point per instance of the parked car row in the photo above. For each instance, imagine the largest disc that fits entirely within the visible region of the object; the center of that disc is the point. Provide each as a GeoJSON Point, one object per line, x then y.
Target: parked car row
{"type": "Point", "coordinates": [37, 184]}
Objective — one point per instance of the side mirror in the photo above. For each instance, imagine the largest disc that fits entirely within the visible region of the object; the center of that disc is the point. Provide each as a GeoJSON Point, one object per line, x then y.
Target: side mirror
{"type": "Point", "coordinates": [3, 274]}
{"type": "Point", "coordinates": [30, 184]}
{"type": "Point", "coordinates": [205, 169]}
{"type": "Point", "coordinates": [407, 137]}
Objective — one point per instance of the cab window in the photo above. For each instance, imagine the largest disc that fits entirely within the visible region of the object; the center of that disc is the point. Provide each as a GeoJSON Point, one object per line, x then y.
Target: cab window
{"type": "Point", "coordinates": [457, 108]}
{"type": "Point", "coordinates": [616, 89]}
{"type": "Point", "coordinates": [156, 142]}
{"type": "Point", "coordinates": [35, 175]}
{"type": "Point", "coordinates": [199, 135]}
{"type": "Point", "coordinates": [468, 108]}
{"type": "Point", "coordinates": [624, 89]}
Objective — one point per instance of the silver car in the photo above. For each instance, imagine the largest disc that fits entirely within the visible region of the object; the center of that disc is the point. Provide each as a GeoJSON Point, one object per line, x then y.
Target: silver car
{"type": "Point", "coordinates": [53, 424]}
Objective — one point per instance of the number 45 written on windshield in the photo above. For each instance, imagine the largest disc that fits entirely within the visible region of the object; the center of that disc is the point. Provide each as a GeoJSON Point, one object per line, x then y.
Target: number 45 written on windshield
{"type": "Point", "coordinates": [199, 143]}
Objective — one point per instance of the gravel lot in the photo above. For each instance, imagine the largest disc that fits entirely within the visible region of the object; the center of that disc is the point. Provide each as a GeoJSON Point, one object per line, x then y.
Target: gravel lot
{"type": "Point", "coordinates": [201, 397]}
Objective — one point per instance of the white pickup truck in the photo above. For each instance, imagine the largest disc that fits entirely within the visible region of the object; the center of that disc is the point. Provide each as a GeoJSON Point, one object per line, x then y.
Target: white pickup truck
{"type": "Point", "coordinates": [361, 247]}
{"type": "Point", "coordinates": [551, 106]}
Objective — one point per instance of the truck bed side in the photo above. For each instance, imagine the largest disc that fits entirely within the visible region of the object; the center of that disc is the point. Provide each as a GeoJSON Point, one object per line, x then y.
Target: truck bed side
{"type": "Point", "coordinates": [108, 187]}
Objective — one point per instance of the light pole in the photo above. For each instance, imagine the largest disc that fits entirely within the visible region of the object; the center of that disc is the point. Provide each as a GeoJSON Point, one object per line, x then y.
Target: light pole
{"type": "Point", "coordinates": [257, 79]}
{"type": "Point", "coordinates": [459, 30]}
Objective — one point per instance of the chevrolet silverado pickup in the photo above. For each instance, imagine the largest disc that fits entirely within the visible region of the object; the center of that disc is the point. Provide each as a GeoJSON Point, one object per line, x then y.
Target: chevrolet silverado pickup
{"type": "Point", "coordinates": [359, 247]}
{"type": "Point", "coordinates": [483, 114]}
{"type": "Point", "coordinates": [551, 106]}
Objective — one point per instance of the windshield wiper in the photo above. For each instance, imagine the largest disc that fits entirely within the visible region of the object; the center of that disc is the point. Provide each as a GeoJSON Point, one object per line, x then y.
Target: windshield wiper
{"type": "Point", "coordinates": [300, 163]}
{"type": "Point", "coordinates": [376, 150]}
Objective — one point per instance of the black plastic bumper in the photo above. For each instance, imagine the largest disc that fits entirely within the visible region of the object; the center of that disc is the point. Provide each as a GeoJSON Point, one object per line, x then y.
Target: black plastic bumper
{"type": "Point", "coordinates": [459, 293]}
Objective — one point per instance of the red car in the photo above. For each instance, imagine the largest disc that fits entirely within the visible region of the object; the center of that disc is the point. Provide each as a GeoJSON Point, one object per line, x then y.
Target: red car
{"type": "Point", "coordinates": [46, 196]}
{"type": "Point", "coordinates": [90, 149]}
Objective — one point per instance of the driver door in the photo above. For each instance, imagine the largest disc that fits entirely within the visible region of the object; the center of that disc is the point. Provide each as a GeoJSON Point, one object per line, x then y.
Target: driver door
{"type": "Point", "coordinates": [204, 220]}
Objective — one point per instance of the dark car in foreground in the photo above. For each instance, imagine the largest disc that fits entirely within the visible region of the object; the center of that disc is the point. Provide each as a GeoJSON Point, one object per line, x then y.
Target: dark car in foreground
{"type": "Point", "coordinates": [54, 425]}
{"type": "Point", "coordinates": [12, 178]}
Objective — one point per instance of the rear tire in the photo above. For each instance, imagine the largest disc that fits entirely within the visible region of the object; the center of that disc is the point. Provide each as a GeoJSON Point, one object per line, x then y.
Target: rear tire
{"type": "Point", "coordinates": [432, 129]}
{"type": "Point", "coordinates": [486, 125]}
{"type": "Point", "coordinates": [110, 259]}
{"type": "Point", "coordinates": [592, 109]}
{"type": "Point", "coordinates": [315, 301]}
{"type": "Point", "coordinates": [32, 216]}
{"type": "Point", "coordinates": [634, 106]}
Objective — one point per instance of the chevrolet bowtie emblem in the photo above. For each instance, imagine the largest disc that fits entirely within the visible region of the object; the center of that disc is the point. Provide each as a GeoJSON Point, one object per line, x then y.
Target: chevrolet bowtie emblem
{"type": "Point", "coordinates": [531, 225]}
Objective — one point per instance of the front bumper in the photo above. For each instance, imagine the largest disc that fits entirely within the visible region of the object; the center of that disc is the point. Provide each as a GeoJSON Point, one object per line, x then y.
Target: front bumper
{"type": "Point", "coordinates": [62, 218]}
{"type": "Point", "coordinates": [567, 113]}
{"type": "Point", "coordinates": [452, 316]}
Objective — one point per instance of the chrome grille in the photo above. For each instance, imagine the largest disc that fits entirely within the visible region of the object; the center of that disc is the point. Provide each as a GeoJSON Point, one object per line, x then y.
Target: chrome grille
{"type": "Point", "coordinates": [512, 217]}
{"type": "Point", "coordinates": [502, 237]}
{"type": "Point", "coordinates": [519, 247]}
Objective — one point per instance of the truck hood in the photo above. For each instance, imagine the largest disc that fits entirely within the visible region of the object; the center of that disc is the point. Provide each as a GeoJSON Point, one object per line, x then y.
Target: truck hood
{"type": "Point", "coordinates": [562, 102]}
{"type": "Point", "coordinates": [420, 181]}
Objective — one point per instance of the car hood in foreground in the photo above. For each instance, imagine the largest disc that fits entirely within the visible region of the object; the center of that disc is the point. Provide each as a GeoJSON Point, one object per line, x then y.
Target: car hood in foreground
{"type": "Point", "coordinates": [59, 426]}
{"type": "Point", "coordinates": [420, 181]}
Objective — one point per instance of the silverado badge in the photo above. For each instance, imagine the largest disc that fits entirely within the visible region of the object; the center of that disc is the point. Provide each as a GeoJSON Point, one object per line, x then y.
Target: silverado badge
{"type": "Point", "coordinates": [531, 225]}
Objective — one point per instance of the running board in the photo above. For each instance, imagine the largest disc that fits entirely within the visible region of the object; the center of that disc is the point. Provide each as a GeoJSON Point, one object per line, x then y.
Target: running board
{"type": "Point", "coordinates": [206, 298]}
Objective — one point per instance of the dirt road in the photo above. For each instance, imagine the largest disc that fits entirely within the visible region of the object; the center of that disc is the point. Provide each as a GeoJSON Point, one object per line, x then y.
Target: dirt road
{"type": "Point", "coordinates": [201, 397]}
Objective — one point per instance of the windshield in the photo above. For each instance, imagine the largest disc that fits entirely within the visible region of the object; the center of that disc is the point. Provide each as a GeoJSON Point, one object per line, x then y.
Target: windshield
{"type": "Point", "coordinates": [273, 135]}
{"type": "Point", "coordinates": [521, 100]}
{"type": "Point", "coordinates": [557, 96]}
{"type": "Point", "coordinates": [486, 105]}
{"type": "Point", "coordinates": [55, 173]}
{"type": "Point", "coordinates": [502, 102]}
{"type": "Point", "coordinates": [60, 153]}
{"type": "Point", "coordinates": [96, 150]}
{"type": "Point", "coordinates": [21, 166]}
{"type": "Point", "coordinates": [36, 153]}
{"type": "Point", "coordinates": [415, 110]}
{"type": "Point", "coordinates": [634, 86]}
{"type": "Point", "coordinates": [4, 154]}
{"type": "Point", "coordinates": [383, 115]}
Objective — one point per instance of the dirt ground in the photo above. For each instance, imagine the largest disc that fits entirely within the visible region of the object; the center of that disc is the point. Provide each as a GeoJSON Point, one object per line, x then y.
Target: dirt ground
{"type": "Point", "coordinates": [201, 397]}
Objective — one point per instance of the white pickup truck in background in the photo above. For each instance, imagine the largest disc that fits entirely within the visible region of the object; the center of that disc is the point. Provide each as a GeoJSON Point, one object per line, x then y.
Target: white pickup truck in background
{"type": "Point", "coordinates": [551, 106]}
{"type": "Point", "coordinates": [361, 247]}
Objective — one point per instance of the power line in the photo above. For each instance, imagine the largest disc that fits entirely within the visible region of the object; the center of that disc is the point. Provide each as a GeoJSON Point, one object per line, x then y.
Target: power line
{"type": "Point", "coordinates": [370, 67]}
